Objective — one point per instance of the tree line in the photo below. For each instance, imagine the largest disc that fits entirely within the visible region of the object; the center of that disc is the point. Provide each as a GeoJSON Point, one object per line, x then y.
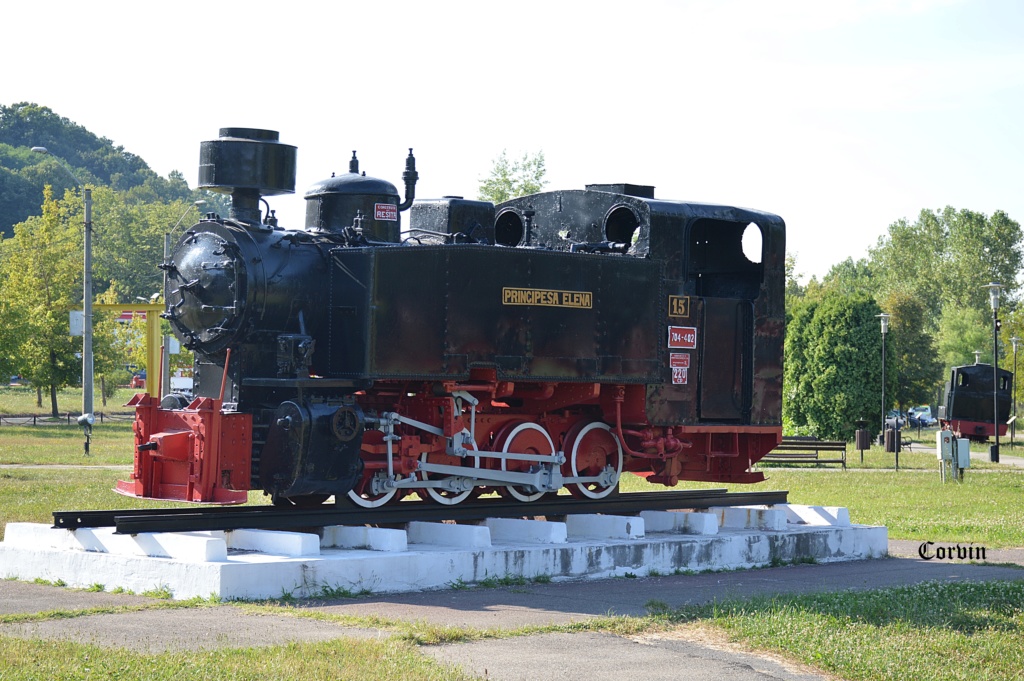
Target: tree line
{"type": "Point", "coordinates": [929, 276]}
{"type": "Point", "coordinates": [41, 246]}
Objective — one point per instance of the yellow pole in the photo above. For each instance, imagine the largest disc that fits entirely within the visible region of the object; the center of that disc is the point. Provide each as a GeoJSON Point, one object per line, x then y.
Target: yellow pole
{"type": "Point", "coordinates": [153, 338]}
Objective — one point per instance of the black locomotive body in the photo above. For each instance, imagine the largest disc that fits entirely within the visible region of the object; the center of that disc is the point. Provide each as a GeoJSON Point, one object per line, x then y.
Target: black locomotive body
{"type": "Point", "coordinates": [974, 404]}
{"type": "Point", "coordinates": [554, 340]}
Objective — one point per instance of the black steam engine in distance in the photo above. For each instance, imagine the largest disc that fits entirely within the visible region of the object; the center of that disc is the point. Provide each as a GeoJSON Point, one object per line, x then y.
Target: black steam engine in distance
{"type": "Point", "coordinates": [973, 404]}
{"type": "Point", "coordinates": [554, 340]}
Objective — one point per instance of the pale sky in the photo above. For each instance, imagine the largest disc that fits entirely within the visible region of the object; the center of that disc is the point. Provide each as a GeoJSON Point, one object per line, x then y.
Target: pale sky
{"type": "Point", "coordinates": [841, 116]}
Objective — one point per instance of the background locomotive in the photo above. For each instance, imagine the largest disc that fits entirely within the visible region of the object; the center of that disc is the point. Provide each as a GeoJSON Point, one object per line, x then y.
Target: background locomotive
{"type": "Point", "coordinates": [968, 408]}
{"type": "Point", "coordinates": [555, 340]}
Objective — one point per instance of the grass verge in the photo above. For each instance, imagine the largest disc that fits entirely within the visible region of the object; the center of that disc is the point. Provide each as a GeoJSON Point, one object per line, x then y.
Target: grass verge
{"type": "Point", "coordinates": [337, 659]}
{"type": "Point", "coordinates": [936, 631]}
{"type": "Point", "coordinates": [940, 631]}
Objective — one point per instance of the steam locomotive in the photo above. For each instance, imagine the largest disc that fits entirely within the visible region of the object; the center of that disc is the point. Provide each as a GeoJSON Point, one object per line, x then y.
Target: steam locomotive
{"type": "Point", "coordinates": [968, 401]}
{"type": "Point", "coordinates": [551, 341]}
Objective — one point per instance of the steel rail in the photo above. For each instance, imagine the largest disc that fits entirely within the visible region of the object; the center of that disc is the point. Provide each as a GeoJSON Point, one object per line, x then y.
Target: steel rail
{"type": "Point", "coordinates": [137, 521]}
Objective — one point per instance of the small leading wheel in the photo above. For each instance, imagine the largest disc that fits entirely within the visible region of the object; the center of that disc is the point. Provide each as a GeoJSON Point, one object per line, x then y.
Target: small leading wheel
{"type": "Point", "coordinates": [367, 493]}
{"type": "Point", "coordinates": [523, 438]}
{"type": "Point", "coordinates": [449, 497]}
{"type": "Point", "coordinates": [593, 450]}
{"type": "Point", "coordinates": [363, 495]}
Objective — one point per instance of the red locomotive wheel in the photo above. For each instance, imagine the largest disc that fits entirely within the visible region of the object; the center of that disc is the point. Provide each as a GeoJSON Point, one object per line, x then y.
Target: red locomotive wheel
{"type": "Point", "coordinates": [362, 494]}
{"type": "Point", "coordinates": [374, 470]}
{"type": "Point", "coordinates": [523, 437]}
{"type": "Point", "coordinates": [590, 449]}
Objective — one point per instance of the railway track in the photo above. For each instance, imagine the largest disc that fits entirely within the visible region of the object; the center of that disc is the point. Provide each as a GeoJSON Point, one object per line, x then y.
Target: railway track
{"type": "Point", "coordinates": [136, 521]}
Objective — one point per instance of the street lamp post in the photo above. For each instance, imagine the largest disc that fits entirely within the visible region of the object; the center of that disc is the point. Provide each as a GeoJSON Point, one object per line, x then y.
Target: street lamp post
{"type": "Point", "coordinates": [87, 418]}
{"type": "Point", "coordinates": [993, 294]}
{"type": "Point", "coordinates": [1013, 422]}
{"type": "Point", "coordinates": [885, 329]}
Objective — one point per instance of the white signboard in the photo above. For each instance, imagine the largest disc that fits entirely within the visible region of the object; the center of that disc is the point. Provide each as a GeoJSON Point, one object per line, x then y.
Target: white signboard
{"type": "Point", "coordinates": [77, 323]}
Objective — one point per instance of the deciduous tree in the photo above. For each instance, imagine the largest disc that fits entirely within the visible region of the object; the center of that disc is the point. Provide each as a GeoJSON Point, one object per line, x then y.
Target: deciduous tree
{"type": "Point", "coordinates": [833, 366]}
{"type": "Point", "coordinates": [911, 350]}
{"type": "Point", "coordinates": [947, 256]}
{"type": "Point", "coordinates": [40, 274]}
{"type": "Point", "coordinates": [509, 179]}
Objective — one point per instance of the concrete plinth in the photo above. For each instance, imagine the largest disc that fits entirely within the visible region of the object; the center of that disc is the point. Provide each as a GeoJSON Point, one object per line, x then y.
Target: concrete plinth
{"type": "Point", "coordinates": [254, 564]}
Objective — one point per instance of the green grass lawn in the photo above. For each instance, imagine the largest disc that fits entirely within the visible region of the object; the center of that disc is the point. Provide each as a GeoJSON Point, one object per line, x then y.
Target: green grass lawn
{"type": "Point", "coordinates": [930, 631]}
{"type": "Point", "coordinates": [19, 400]}
{"type": "Point", "coordinates": [109, 445]}
{"type": "Point", "coordinates": [343, 658]}
{"type": "Point", "coordinates": [935, 631]}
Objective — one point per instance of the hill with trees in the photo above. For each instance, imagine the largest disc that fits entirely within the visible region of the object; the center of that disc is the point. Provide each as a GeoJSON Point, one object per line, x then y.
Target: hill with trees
{"type": "Point", "coordinates": [93, 160]}
{"type": "Point", "coordinates": [41, 243]}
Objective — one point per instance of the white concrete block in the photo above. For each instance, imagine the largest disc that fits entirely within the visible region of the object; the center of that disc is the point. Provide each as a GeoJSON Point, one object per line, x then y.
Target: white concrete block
{"type": "Point", "coordinates": [748, 518]}
{"type": "Point", "coordinates": [26, 554]}
{"type": "Point", "coordinates": [37, 536]}
{"type": "Point", "coordinates": [831, 516]}
{"type": "Point", "coordinates": [533, 531]}
{"type": "Point", "coordinates": [372, 538]}
{"type": "Point", "coordinates": [278, 543]}
{"type": "Point", "coordinates": [478, 536]}
{"type": "Point", "coordinates": [604, 526]}
{"type": "Point", "coordinates": [185, 546]}
{"type": "Point", "coordinates": [681, 522]}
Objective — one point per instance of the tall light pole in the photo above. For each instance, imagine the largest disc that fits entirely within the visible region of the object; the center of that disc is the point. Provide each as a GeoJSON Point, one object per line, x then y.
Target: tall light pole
{"type": "Point", "coordinates": [87, 418]}
{"type": "Point", "coordinates": [993, 295]}
{"type": "Point", "coordinates": [885, 329]}
{"type": "Point", "coordinates": [1013, 422]}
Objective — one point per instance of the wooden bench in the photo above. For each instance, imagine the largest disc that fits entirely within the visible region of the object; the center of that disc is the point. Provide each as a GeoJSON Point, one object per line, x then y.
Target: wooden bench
{"type": "Point", "coordinates": [808, 450]}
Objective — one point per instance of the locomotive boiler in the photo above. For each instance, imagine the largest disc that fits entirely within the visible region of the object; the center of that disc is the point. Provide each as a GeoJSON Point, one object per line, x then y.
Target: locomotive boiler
{"type": "Point", "coordinates": [553, 341]}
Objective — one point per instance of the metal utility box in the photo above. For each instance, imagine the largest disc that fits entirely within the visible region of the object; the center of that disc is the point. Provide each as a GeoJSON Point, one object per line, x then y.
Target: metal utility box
{"type": "Point", "coordinates": [963, 453]}
{"type": "Point", "coordinates": [949, 448]}
{"type": "Point", "coordinates": [952, 452]}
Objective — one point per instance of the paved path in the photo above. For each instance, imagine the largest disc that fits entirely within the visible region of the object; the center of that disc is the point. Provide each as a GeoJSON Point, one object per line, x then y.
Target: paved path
{"type": "Point", "coordinates": [689, 654]}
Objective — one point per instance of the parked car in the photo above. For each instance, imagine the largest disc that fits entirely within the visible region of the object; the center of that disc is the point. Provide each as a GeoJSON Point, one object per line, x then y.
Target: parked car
{"type": "Point", "coordinates": [895, 419]}
{"type": "Point", "coordinates": [921, 416]}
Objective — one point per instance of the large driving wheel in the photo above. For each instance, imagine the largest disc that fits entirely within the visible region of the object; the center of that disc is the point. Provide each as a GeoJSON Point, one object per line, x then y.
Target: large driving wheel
{"type": "Point", "coordinates": [523, 438]}
{"type": "Point", "coordinates": [450, 497]}
{"type": "Point", "coordinates": [591, 450]}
